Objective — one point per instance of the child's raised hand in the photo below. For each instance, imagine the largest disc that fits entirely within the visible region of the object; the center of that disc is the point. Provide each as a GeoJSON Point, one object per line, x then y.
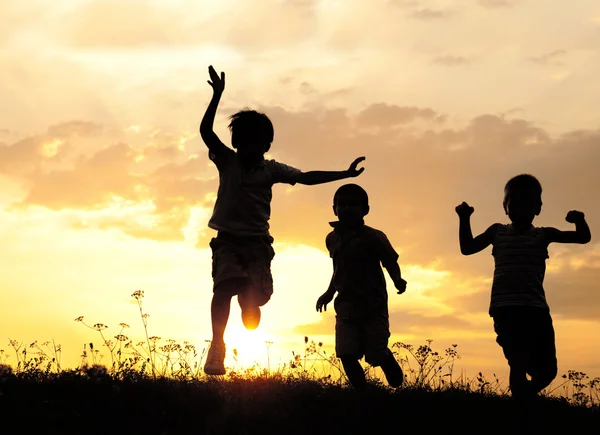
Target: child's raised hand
{"type": "Point", "coordinates": [352, 171]}
{"type": "Point", "coordinates": [217, 83]}
{"type": "Point", "coordinates": [464, 210]}
{"type": "Point", "coordinates": [574, 216]}
{"type": "Point", "coordinates": [400, 286]}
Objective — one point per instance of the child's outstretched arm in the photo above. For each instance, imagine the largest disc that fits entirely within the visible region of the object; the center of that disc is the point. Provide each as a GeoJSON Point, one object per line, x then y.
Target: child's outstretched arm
{"type": "Point", "coordinates": [210, 138]}
{"type": "Point", "coordinates": [469, 244]}
{"type": "Point", "coordinates": [581, 234]}
{"type": "Point", "coordinates": [319, 177]}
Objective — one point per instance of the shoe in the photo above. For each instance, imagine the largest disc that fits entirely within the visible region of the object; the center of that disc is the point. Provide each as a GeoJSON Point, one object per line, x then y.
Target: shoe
{"type": "Point", "coordinates": [251, 317]}
{"type": "Point", "coordinates": [393, 372]}
{"type": "Point", "coordinates": [215, 360]}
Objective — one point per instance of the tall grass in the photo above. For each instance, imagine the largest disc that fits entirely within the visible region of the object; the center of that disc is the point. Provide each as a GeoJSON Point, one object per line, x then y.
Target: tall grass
{"type": "Point", "coordinates": [154, 358]}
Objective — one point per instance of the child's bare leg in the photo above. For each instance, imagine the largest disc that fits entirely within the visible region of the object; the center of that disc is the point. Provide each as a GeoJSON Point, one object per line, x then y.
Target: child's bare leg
{"type": "Point", "coordinates": [543, 376]}
{"type": "Point", "coordinates": [219, 312]}
{"type": "Point", "coordinates": [355, 372]}
{"type": "Point", "coordinates": [519, 384]}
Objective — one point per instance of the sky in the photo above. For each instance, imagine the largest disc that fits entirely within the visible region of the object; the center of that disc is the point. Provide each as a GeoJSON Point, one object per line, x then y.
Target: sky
{"type": "Point", "coordinates": [106, 187]}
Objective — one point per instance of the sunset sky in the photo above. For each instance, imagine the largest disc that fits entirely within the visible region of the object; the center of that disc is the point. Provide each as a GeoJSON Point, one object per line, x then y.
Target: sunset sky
{"type": "Point", "coordinates": [106, 187]}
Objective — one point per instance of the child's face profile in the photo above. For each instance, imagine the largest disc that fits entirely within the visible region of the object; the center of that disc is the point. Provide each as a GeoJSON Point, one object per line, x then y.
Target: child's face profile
{"type": "Point", "coordinates": [349, 208]}
{"type": "Point", "coordinates": [245, 147]}
{"type": "Point", "coordinates": [522, 206]}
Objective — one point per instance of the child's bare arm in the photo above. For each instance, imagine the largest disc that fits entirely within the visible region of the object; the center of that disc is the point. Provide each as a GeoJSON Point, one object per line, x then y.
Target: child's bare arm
{"type": "Point", "coordinates": [469, 244]}
{"type": "Point", "coordinates": [396, 276]}
{"type": "Point", "coordinates": [326, 297]}
{"type": "Point", "coordinates": [210, 138]}
{"type": "Point", "coordinates": [319, 177]}
{"type": "Point", "coordinates": [581, 234]}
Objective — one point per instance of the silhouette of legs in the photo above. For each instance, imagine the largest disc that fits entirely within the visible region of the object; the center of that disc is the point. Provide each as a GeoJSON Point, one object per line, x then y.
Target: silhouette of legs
{"type": "Point", "coordinates": [526, 335]}
{"type": "Point", "coordinates": [219, 312]}
{"type": "Point", "coordinates": [355, 372]}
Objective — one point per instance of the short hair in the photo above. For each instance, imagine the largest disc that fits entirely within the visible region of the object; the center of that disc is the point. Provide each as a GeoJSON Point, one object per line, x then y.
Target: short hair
{"type": "Point", "coordinates": [524, 182]}
{"type": "Point", "coordinates": [252, 125]}
{"type": "Point", "coordinates": [353, 190]}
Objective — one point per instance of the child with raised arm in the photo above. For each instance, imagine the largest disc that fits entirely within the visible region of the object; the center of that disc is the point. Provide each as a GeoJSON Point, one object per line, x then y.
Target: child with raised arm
{"type": "Point", "coordinates": [518, 304]}
{"type": "Point", "coordinates": [242, 250]}
{"type": "Point", "coordinates": [362, 322]}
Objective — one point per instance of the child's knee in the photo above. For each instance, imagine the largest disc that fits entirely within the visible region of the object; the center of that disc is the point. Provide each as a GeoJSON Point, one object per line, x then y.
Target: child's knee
{"type": "Point", "coordinates": [377, 357]}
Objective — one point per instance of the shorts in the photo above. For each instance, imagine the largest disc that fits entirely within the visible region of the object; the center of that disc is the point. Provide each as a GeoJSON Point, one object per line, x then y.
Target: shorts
{"type": "Point", "coordinates": [357, 336]}
{"type": "Point", "coordinates": [246, 259]}
{"type": "Point", "coordinates": [527, 331]}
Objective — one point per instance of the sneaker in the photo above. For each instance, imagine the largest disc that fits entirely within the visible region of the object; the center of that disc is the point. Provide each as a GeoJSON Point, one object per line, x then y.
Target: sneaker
{"type": "Point", "coordinates": [251, 317]}
{"type": "Point", "coordinates": [393, 372]}
{"type": "Point", "coordinates": [215, 359]}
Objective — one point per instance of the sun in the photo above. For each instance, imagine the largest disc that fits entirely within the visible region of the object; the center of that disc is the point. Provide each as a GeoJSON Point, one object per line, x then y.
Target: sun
{"type": "Point", "coordinates": [246, 349]}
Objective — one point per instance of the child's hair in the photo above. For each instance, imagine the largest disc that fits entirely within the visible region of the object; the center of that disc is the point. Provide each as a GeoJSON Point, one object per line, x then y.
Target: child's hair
{"type": "Point", "coordinates": [252, 127]}
{"type": "Point", "coordinates": [353, 190]}
{"type": "Point", "coordinates": [523, 183]}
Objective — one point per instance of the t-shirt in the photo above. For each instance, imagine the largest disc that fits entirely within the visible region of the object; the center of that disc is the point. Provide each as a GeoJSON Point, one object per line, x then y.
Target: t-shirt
{"type": "Point", "coordinates": [243, 205]}
{"type": "Point", "coordinates": [520, 266]}
{"type": "Point", "coordinates": [358, 278]}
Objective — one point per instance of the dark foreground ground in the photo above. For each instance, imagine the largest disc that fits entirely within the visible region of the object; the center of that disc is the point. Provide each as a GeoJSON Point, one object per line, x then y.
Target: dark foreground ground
{"type": "Point", "coordinates": [76, 405]}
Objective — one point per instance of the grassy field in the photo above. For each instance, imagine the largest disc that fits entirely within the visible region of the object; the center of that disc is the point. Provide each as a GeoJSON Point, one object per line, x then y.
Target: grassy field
{"type": "Point", "coordinates": [157, 387]}
{"type": "Point", "coordinates": [76, 403]}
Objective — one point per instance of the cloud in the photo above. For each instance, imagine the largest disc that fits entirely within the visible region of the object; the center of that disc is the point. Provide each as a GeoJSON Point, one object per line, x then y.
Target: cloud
{"type": "Point", "coordinates": [400, 322]}
{"type": "Point", "coordinates": [388, 116]}
{"type": "Point", "coordinates": [450, 60]}
{"type": "Point", "coordinates": [497, 4]}
{"type": "Point", "coordinates": [550, 58]}
{"type": "Point", "coordinates": [427, 14]}
{"type": "Point", "coordinates": [418, 169]}
{"type": "Point", "coordinates": [137, 24]}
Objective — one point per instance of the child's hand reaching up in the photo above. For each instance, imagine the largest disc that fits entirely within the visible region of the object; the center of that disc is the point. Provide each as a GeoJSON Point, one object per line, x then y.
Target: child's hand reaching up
{"type": "Point", "coordinates": [218, 83]}
{"type": "Point", "coordinates": [352, 171]}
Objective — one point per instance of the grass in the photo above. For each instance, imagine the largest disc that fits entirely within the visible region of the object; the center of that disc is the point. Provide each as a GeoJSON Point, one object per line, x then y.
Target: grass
{"type": "Point", "coordinates": [157, 387]}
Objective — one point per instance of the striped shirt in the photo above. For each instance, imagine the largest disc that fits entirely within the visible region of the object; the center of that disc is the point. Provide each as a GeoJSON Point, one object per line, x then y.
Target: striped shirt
{"type": "Point", "coordinates": [520, 266]}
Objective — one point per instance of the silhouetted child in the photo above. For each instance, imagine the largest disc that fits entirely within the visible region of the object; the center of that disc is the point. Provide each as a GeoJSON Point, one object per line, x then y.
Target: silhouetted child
{"type": "Point", "coordinates": [242, 250]}
{"type": "Point", "coordinates": [361, 323]}
{"type": "Point", "coordinates": [518, 304]}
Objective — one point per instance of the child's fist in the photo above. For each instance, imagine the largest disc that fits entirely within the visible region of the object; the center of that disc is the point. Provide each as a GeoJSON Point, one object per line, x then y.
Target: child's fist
{"type": "Point", "coordinates": [400, 286]}
{"type": "Point", "coordinates": [574, 216]}
{"type": "Point", "coordinates": [464, 210]}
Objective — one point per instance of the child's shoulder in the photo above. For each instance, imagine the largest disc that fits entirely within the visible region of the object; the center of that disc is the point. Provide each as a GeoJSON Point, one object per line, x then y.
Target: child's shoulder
{"type": "Point", "coordinates": [374, 231]}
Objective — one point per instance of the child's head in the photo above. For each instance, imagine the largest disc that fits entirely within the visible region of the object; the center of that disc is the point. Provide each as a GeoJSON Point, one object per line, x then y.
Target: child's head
{"type": "Point", "coordinates": [251, 132]}
{"type": "Point", "coordinates": [350, 203]}
{"type": "Point", "coordinates": [523, 198]}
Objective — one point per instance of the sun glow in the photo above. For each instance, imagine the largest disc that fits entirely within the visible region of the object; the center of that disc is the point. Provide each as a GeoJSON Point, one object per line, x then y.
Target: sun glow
{"type": "Point", "coordinates": [246, 349]}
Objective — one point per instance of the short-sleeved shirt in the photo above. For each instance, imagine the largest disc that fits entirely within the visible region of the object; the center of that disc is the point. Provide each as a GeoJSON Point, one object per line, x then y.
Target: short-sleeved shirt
{"type": "Point", "coordinates": [243, 205]}
{"type": "Point", "coordinates": [520, 266]}
{"type": "Point", "coordinates": [358, 255]}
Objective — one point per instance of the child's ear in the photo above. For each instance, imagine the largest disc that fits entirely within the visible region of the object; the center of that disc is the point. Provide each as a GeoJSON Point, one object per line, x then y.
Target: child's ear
{"type": "Point", "coordinates": [504, 206]}
{"type": "Point", "coordinates": [334, 210]}
{"type": "Point", "coordinates": [366, 210]}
